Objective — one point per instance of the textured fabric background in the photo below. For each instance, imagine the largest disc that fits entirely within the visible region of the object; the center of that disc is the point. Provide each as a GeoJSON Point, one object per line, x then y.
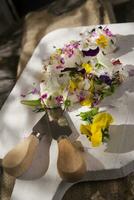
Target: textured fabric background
{"type": "Point", "coordinates": [37, 24]}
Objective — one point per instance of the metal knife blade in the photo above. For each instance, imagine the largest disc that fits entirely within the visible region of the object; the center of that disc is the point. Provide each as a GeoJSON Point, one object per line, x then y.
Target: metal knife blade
{"type": "Point", "coordinates": [41, 127]}
{"type": "Point", "coordinates": [55, 122]}
{"type": "Point", "coordinates": [60, 123]}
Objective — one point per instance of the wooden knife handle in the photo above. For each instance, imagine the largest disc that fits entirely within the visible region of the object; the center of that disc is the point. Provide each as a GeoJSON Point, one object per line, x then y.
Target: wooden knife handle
{"type": "Point", "coordinates": [19, 159]}
{"type": "Point", "coordinates": [70, 164]}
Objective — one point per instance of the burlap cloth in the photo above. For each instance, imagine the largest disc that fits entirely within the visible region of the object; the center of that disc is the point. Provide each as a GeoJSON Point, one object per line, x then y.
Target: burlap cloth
{"type": "Point", "coordinates": [36, 25]}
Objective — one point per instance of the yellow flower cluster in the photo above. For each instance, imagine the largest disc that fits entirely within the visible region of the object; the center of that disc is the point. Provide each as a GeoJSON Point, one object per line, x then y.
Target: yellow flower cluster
{"type": "Point", "coordinates": [93, 131]}
{"type": "Point", "coordinates": [102, 41]}
{"type": "Point", "coordinates": [87, 67]}
{"type": "Point", "coordinates": [72, 86]}
{"type": "Point", "coordinates": [86, 102]}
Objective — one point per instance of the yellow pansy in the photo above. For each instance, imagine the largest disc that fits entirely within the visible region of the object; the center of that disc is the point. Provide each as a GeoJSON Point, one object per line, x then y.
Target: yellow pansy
{"type": "Point", "coordinates": [86, 102]}
{"type": "Point", "coordinates": [96, 138]}
{"type": "Point", "coordinates": [103, 119]}
{"type": "Point", "coordinates": [94, 130]}
{"type": "Point", "coordinates": [85, 129]}
{"type": "Point", "coordinates": [72, 86]}
{"type": "Point", "coordinates": [87, 67]}
{"type": "Point", "coordinates": [102, 41]}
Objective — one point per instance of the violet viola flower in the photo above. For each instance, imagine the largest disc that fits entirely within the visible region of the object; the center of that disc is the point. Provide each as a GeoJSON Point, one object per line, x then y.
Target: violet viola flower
{"type": "Point", "coordinates": [105, 79]}
{"type": "Point", "coordinates": [62, 60]}
{"type": "Point", "coordinates": [59, 99]}
{"type": "Point", "coordinates": [44, 96]}
{"type": "Point", "coordinates": [108, 32]}
{"type": "Point", "coordinates": [68, 50]}
{"type": "Point", "coordinates": [76, 45]}
{"type": "Point", "coordinates": [91, 52]}
{"type": "Point", "coordinates": [35, 91]}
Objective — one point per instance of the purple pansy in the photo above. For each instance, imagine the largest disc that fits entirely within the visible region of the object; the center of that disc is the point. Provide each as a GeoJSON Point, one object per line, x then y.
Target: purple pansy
{"type": "Point", "coordinates": [91, 52]}
{"type": "Point", "coordinates": [105, 79]}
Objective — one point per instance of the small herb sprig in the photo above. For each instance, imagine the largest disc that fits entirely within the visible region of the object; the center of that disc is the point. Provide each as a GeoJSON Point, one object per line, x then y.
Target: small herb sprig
{"type": "Point", "coordinates": [88, 116]}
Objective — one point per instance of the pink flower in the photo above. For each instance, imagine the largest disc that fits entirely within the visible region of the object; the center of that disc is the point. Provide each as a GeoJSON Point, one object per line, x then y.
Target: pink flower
{"type": "Point", "coordinates": [107, 31]}
{"type": "Point", "coordinates": [44, 96]}
{"type": "Point", "coordinates": [59, 99]}
{"type": "Point", "coordinates": [116, 62]}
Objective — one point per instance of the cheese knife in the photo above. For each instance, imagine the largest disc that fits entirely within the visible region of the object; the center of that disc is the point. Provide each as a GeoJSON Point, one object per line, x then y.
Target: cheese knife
{"type": "Point", "coordinates": [70, 163]}
{"type": "Point", "coordinates": [19, 159]}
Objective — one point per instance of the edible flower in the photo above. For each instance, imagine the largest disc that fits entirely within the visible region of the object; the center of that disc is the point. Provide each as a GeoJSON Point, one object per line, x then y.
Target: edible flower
{"type": "Point", "coordinates": [107, 32]}
{"type": "Point", "coordinates": [72, 86]}
{"type": "Point", "coordinates": [86, 102]}
{"type": "Point", "coordinates": [105, 79]}
{"type": "Point", "coordinates": [102, 120]}
{"type": "Point", "coordinates": [116, 62]}
{"type": "Point", "coordinates": [96, 138]}
{"type": "Point", "coordinates": [87, 67]}
{"type": "Point", "coordinates": [91, 52]}
{"type": "Point", "coordinates": [95, 130]}
{"type": "Point", "coordinates": [102, 41]}
{"type": "Point", "coordinates": [85, 130]}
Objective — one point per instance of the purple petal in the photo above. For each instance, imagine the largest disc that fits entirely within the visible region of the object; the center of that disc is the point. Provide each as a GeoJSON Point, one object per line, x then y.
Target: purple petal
{"type": "Point", "coordinates": [35, 91]}
{"type": "Point", "coordinates": [44, 96]}
{"type": "Point", "coordinates": [62, 61]}
{"type": "Point", "coordinates": [105, 79]}
{"type": "Point", "coordinates": [59, 99]}
{"type": "Point", "coordinates": [91, 52]}
{"type": "Point", "coordinates": [107, 32]}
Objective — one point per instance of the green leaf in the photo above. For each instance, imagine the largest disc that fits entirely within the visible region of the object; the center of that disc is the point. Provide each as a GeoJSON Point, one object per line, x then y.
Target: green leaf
{"type": "Point", "coordinates": [99, 65]}
{"type": "Point", "coordinates": [67, 103]}
{"type": "Point", "coordinates": [107, 92]}
{"type": "Point", "coordinates": [88, 116]}
{"type": "Point", "coordinates": [36, 110]}
{"type": "Point", "coordinates": [32, 103]}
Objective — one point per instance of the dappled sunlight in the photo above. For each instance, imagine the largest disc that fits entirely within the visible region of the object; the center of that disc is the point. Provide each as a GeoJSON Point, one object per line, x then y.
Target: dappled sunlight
{"type": "Point", "coordinates": [15, 118]}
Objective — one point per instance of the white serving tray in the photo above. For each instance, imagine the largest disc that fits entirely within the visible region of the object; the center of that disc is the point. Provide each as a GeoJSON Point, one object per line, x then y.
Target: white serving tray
{"type": "Point", "coordinates": [16, 120]}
